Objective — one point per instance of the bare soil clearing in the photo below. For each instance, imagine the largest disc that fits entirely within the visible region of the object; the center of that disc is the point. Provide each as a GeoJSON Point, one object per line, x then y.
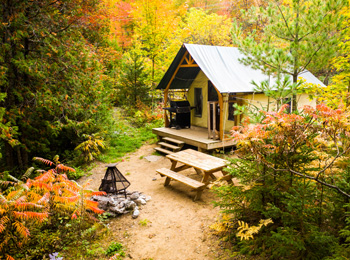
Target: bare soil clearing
{"type": "Point", "coordinates": [170, 226]}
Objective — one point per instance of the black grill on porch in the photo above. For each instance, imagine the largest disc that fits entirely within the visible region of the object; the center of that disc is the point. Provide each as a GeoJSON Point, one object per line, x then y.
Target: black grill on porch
{"type": "Point", "coordinates": [180, 114]}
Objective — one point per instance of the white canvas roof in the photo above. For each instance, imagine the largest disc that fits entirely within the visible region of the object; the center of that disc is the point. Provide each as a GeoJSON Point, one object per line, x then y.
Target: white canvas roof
{"type": "Point", "coordinates": [222, 67]}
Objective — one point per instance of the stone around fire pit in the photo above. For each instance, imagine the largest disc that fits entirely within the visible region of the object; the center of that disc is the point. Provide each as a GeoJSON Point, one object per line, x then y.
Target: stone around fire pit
{"type": "Point", "coordinates": [118, 204]}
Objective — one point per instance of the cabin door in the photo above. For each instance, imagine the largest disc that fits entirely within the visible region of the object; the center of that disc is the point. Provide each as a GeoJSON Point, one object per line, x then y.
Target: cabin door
{"type": "Point", "coordinates": [213, 112]}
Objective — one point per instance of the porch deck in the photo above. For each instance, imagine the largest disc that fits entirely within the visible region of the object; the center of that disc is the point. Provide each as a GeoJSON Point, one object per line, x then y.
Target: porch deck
{"type": "Point", "coordinates": [195, 136]}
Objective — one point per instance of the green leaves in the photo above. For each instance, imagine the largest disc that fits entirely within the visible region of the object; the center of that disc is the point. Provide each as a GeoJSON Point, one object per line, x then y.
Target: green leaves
{"type": "Point", "coordinates": [297, 35]}
{"type": "Point", "coordinates": [53, 77]}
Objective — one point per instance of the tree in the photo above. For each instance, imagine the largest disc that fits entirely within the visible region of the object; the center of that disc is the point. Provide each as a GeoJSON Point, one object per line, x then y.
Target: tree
{"type": "Point", "coordinates": [133, 84]}
{"type": "Point", "coordinates": [52, 76]}
{"type": "Point", "coordinates": [338, 91]}
{"type": "Point", "coordinates": [292, 169]}
{"type": "Point", "coordinates": [298, 35]}
{"type": "Point", "coordinates": [200, 27]}
{"type": "Point", "coordinates": [156, 22]}
{"type": "Point", "coordinates": [341, 81]}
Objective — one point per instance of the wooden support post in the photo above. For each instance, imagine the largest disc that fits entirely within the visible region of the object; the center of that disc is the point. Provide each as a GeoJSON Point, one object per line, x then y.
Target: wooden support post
{"type": "Point", "coordinates": [167, 181]}
{"type": "Point", "coordinates": [221, 104]}
{"type": "Point", "coordinates": [198, 195]}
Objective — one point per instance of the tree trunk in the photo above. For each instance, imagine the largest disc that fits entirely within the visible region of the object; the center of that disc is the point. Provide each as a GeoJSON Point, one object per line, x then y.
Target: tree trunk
{"type": "Point", "coordinates": [9, 156]}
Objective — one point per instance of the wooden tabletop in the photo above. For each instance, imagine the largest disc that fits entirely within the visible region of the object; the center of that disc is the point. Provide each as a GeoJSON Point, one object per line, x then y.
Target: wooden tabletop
{"type": "Point", "coordinates": [198, 160]}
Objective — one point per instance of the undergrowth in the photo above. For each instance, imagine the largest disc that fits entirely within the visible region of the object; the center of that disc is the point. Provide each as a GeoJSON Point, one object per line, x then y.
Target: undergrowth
{"type": "Point", "coordinates": [126, 138]}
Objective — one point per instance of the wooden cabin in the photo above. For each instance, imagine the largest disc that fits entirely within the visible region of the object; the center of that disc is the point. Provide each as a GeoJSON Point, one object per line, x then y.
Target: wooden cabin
{"type": "Point", "coordinates": [211, 79]}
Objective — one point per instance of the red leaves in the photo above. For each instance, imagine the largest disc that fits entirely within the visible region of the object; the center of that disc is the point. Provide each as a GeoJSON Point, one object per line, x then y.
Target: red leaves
{"type": "Point", "coordinates": [44, 161]}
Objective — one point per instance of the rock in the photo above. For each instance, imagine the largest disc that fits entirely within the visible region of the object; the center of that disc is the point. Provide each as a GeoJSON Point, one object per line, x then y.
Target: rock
{"type": "Point", "coordinates": [103, 204]}
{"type": "Point", "coordinates": [134, 196]}
{"type": "Point", "coordinates": [140, 201]}
{"type": "Point", "coordinates": [121, 204]}
{"type": "Point", "coordinates": [154, 179]}
{"type": "Point", "coordinates": [117, 204]}
{"type": "Point", "coordinates": [130, 205]}
{"type": "Point", "coordinates": [136, 213]}
{"type": "Point", "coordinates": [117, 210]}
{"type": "Point", "coordinates": [152, 158]}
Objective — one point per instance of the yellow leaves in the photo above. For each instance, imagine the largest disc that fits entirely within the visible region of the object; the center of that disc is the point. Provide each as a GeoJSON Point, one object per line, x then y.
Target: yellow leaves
{"type": "Point", "coordinates": [21, 229]}
{"type": "Point", "coordinates": [223, 226]}
{"type": "Point", "coordinates": [3, 221]}
{"type": "Point", "coordinates": [246, 232]}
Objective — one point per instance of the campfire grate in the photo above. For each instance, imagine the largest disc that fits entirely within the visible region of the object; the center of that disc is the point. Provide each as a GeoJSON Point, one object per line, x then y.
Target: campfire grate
{"type": "Point", "coordinates": [114, 181]}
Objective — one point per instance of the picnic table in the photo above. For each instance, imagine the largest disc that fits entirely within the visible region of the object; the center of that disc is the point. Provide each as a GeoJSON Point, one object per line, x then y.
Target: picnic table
{"type": "Point", "coordinates": [203, 164]}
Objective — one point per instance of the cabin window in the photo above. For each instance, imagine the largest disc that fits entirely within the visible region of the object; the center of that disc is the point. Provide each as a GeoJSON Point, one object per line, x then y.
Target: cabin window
{"type": "Point", "coordinates": [231, 109]}
{"type": "Point", "coordinates": [198, 102]}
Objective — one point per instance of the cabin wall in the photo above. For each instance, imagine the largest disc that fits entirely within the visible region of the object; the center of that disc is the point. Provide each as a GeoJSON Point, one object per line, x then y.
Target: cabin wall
{"type": "Point", "coordinates": [260, 101]}
{"type": "Point", "coordinates": [201, 81]}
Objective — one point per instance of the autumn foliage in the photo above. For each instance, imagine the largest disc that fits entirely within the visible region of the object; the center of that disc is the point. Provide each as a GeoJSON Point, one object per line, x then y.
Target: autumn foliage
{"type": "Point", "coordinates": [38, 202]}
{"type": "Point", "coordinates": [294, 170]}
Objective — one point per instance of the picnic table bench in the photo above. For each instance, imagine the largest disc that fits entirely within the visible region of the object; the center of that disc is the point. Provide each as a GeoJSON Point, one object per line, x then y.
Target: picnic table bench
{"type": "Point", "coordinates": [203, 164]}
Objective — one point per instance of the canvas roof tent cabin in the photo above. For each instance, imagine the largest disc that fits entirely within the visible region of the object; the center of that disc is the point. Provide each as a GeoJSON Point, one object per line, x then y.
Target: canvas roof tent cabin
{"type": "Point", "coordinates": [214, 79]}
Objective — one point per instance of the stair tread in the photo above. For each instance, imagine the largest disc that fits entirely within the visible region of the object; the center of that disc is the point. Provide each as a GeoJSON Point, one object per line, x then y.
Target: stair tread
{"type": "Point", "coordinates": [173, 140]}
{"type": "Point", "coordinates": [171, 146]}
{"type": "Point", "coordinates": [162, 150]}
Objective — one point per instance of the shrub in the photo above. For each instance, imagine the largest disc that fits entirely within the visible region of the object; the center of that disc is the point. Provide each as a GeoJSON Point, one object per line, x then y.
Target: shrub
{"type": "Point", "coordinates": [293, 170]}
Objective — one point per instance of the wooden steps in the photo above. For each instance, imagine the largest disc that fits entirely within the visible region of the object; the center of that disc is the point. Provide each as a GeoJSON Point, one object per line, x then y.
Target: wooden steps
{"type": "Point", "coordinates": [169, 145]}
{"type": "Point", "coordinates": [171, 175]}
{"type": "Point", "coordinates": [162, 150]}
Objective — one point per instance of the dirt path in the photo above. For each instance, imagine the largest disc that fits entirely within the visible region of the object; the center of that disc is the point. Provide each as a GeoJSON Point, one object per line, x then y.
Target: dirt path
{"type": "Point", "coordinates": [171, 226]}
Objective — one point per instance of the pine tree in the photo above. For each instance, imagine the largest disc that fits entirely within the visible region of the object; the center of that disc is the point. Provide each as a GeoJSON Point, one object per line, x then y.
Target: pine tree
{"type": "Point", "coordinates": [298, 35]}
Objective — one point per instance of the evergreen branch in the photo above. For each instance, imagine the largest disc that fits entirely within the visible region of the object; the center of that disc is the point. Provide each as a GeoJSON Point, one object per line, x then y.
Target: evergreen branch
{"type": "Point", "coordinates": [312, 56]}
{"type": "Point", "coordinates": [281, 37]}
{"type": "Point", "coordinates": [311, 178]}
{"type": "Point", "coordinates": [285, 21]}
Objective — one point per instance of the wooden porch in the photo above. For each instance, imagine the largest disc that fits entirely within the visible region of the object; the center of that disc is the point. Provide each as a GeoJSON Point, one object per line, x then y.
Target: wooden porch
{"type": "Point", "coordinates": [195, 136]}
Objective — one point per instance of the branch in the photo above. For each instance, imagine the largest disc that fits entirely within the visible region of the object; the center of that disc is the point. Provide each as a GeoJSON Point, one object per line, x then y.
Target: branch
{"type": "Point", "coordinates": [313, 178]}
{"type": "Point", "coordinates": [307, 64]}
{"type": "Point", "coordinates": [285, 21]}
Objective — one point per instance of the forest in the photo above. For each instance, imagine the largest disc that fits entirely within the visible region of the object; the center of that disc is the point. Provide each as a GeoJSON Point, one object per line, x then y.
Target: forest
{"type": "Point", "coordinates": [68, 66]}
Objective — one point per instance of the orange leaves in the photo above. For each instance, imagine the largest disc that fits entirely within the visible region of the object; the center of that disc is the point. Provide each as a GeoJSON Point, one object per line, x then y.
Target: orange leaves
{"type": "Point", "coordinates": [30, 215]}
{"type": "Point", "coordinates": [3, 221]}
{"type": "Point", "coordinates": [35, 201]}
{"type": "Point", "coordinates": [62, 168]}
{"type": "Point", "coordinates": [46, 177]}
{"type": "Point", "coordinates": [8, 257]}
{"type": "Point", "coordinates": [98, 193]}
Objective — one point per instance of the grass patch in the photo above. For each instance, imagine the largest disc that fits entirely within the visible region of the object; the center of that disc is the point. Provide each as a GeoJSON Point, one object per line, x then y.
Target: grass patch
{"type": "Point", "coordinates": [125, 139]}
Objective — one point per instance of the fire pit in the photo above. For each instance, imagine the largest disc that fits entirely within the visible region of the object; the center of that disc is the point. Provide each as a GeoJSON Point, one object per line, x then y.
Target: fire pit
{"type": "Point", "coordinates": [114, 181]}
